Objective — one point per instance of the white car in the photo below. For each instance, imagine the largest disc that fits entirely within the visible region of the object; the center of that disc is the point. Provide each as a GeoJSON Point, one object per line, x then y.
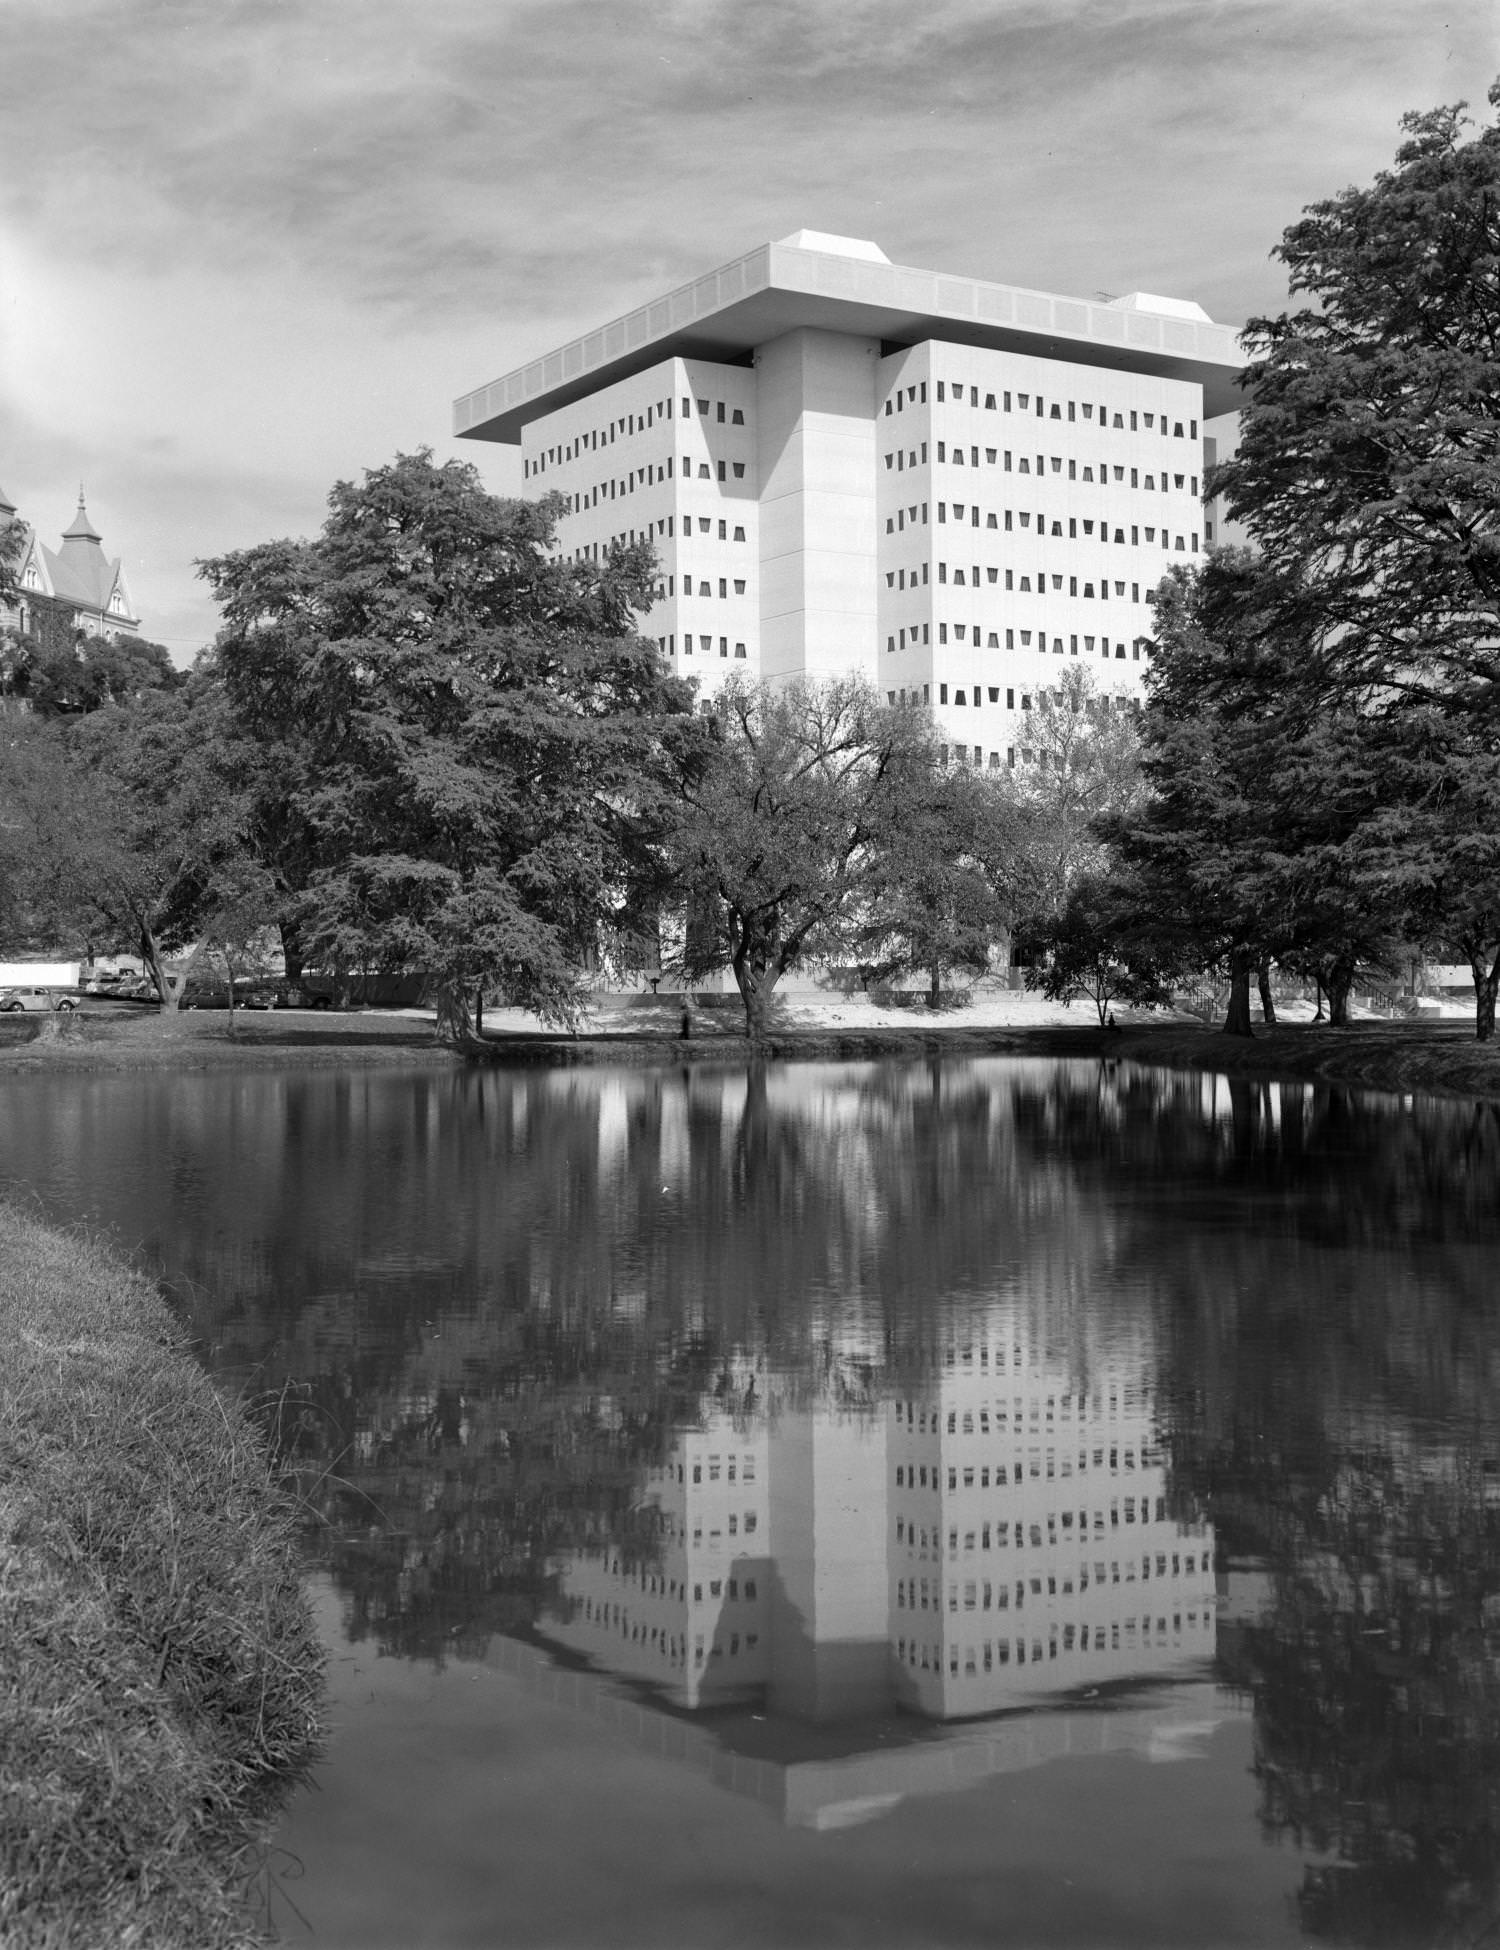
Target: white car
{"type": "Point", "coordinates": [39, 1000]}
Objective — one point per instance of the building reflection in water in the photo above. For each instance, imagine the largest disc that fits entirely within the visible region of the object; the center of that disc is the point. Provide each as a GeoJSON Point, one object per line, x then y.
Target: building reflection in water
{"type": "Point", "coordinates": [995, 1535]}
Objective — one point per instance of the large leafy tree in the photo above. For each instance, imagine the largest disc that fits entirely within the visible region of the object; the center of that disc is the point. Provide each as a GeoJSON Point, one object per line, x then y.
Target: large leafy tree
{"type": "Point", "coordinates": [1368, 477]}
{"type": "Point", "coordinates": [1270, 831]}
{"type": "Point", "coordinates": [942, 881]}
{"type": "Point", "coordinates": [119, 826]}
{"type": "Point", "coordinates": [1104, 946]}
{"type": "Point", "coordinates": [468, 747]}
{"type": "Point", "coordinates": [787, 842]}
{"type": "Point", "coordinates": [1368, 468]}
{"type": "Point", "coordinates": [1080, 769]}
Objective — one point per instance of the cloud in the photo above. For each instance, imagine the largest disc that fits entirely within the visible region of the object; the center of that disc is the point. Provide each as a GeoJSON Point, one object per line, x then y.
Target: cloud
{"type": "Point", "coordinates": [459, 155]}
{"type": "Point", "coordinates": [249, 245]}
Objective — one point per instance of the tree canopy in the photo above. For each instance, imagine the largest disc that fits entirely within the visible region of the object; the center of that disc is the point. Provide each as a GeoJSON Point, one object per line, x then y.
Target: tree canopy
{"type": "Point", "coordinates": [1324, 712]}
{"type": "Point", "coordinates": [471, 749]}
{"type": "Point", "coordinates": [1368, 467]}
{"type": "Point", "coordinates": [118, 825]}
{"type": "Point", "coordinates": [818, 806]}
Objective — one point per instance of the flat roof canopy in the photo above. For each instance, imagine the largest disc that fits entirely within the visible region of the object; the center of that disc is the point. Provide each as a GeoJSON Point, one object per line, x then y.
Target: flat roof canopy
{"type": "Point", "coordinates": [778, 288]}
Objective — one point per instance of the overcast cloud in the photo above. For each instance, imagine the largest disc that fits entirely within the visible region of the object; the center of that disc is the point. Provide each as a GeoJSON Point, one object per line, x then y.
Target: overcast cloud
{"type": "Point", "coordinates": [249, 246]}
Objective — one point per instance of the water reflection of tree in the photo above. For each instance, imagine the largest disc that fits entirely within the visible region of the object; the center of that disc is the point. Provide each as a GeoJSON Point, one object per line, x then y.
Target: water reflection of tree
{"type": "Point", "coordinates": [533, 1310]}
{"type": "Point", "coordinates": [1322, 1263]}
{"type": "Point", "coordinates": [1375, 1673]}
{"type": "Point", "coordinates": [1339, 1428]}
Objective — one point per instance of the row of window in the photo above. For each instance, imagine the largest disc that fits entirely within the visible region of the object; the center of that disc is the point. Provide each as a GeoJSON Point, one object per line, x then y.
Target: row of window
{"type": "Point", "coordinates": [668, 647]}
{"type": "Point", "coordinates": [624, 427]}
{"type": "Point", "coordinates": [901, 458]}
{"type": "Point", "coordinates": [751, 1524]}
{"type": "Point", "coordinates": [672, 1646]}
{"type": "Point", "coordinates": [918, 1541]}
{"type": "Point", "coordinates": [668, 588]}
{"type": "Point", "coordinates": [1035, 1467]}
{"type": "Point", "coordinates": [717, 1650]}
{"type": "Point", "coordinates": [984, 1658]}
{"type": "Point", "coordinates": [1019, 582]}
{"type": "Point", "coordinates": [745, 1466]}
{"type": "Point", "coordinates": [595, 551]}
{"type": "Point", "coordinates": [1025, 754]}
{"type": "Point", "coordinates": [989, 518]}
{"type": "Point", "coordinates": [617, 486]}
{"type": "Point", "coordinates": [923, 1594]}
{"type": "Point", "coordinates": [973, 511]}
{"type": "Point", "coordinates": [1045, 701]}
{"type": "Point", "coordinates": [1130, 420]}
{"type": "Point", "coordinates": [908, 639]}
{"type": "Point", "coordinates": [1101, 1404]}
{"type": "Point", "coordinates": [717, 1589]}
{"type": "Point", "coordinates": [1112, 1457]}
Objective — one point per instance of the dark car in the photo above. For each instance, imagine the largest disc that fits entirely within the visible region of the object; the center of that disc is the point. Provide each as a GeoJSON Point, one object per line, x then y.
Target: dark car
{"type": "Point", "coordinates": [298, 995]}
{"type": "Point", "coordinates": [206, 993]}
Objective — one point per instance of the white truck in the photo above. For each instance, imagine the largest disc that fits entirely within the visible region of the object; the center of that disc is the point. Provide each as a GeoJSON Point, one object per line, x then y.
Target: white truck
{"type": "Point", "coordinates": [41, 974]}
{"type": "Point", "coordinates": [39, 986]}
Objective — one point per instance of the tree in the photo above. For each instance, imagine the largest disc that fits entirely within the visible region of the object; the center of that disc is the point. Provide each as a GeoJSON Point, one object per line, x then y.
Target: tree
{"type": "Point", "coordinates": [12, 541]}
{"type": "Point", "coordinates": [784, 842]}
{"type": "Point", "coordinates": [1100, 946]}
{"type": "Point", "coordinates": [1269, 827]}
{"type": "Point", "coordinates": [939, 895]}
{"type": "Point", "coordinates": [1441, 790]}
{"type": "Point", "coordinates": [1368, 470]}
{"type": "Point", "coordinates": [467, 747]}
{"type": "Point", "coordinates": [1081, 767]}
{"type": "Point", "coordinates": [122, 821]}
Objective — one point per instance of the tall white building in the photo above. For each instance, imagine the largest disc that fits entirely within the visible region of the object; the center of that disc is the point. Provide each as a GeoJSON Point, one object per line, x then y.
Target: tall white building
{"type": "Point", "coordinates": [956, 488]}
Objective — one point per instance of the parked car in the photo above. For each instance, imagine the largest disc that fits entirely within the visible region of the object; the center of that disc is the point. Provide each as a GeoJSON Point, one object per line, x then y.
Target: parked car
{"type": "Point", "coordinates": [297, 995]}
{"type": "Point", "coordinates": [206, 993]}
{"type": "Point", "coordinates": [41, 1001]}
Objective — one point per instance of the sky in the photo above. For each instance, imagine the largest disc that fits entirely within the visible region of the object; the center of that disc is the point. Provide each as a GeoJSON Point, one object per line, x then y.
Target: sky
{"type": "Point", "coordinates": [252, 247]}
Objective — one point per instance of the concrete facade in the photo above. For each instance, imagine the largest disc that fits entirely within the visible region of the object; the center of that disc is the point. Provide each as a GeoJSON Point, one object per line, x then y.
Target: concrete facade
{"type": "Point", "coordinates": [955, 489]}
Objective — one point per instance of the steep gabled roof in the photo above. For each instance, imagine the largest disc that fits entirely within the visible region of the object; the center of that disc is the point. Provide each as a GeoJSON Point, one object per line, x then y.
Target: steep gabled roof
{"type": "Point", "coordinates": [80, 572]}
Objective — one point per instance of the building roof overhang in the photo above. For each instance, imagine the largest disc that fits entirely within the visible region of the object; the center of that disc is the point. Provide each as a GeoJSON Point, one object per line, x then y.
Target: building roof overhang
{"type": "Point", "coordinates": [779, 288]}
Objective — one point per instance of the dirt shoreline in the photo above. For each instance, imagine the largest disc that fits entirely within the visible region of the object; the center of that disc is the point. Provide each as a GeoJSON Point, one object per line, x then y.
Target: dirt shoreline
{"type": "Point", "coordinates": [1439, 1059]}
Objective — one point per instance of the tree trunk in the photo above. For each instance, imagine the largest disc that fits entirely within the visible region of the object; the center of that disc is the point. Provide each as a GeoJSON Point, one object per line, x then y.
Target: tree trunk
{"type": "Point", "coordinates": [1318, 993]}
{"type": "Point", "coordinates": [934, 985]}
{"type": "Point", "coordinates": [229, 979]}
{"type": "Point", "coordinates": [1237, 1016]}
{"type": "Point", "coordinates": [1339, 981]}
{"type": "Point", "coordinates": [291, 950]}
{"type": "Point", "coordinates": [455, 1026]}
{"type": "Point", "coordinates": [1267, 1000]}
{"type": "Point", "coordinates": [1486, 983]}
{"type": "Point", "coordinates": [479, 1013]}
{"type": "Point", "coordinates": [151, 955]}
{"type": "Point", "coordinates": [756, 987]}
{"type": "Point", "coordinates": [702, 949]}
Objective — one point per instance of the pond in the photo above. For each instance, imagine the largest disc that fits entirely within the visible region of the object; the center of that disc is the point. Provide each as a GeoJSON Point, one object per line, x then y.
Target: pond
{"type": "Point", "coordinates": [1004, 1501]}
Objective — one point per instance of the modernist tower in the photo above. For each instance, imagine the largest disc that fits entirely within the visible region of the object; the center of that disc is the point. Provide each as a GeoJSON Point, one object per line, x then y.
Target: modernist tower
{"type": "Point", "coordinates": [958, 489]}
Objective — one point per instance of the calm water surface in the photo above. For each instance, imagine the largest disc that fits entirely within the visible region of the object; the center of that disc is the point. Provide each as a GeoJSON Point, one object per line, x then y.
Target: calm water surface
{"type": "Point", "coordinates": [986, 1502]}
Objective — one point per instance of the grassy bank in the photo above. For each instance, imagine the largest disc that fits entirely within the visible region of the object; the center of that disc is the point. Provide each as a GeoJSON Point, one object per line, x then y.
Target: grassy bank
{"type": "Point", "coordinates": [160, 1680]}
{"type": "Point", "coordinates": [1436, 1057]}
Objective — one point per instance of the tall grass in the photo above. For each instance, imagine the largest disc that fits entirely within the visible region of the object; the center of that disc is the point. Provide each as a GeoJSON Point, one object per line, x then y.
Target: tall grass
{"type": "Point", "coordinates": [160, 1679]}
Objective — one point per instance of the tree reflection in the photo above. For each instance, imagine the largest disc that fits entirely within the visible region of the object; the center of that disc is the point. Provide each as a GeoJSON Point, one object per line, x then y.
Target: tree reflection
{"type": "Point", "coordinates": [484, 1307]}
{"type": "Point", "coordinates": [1338, 1423]}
